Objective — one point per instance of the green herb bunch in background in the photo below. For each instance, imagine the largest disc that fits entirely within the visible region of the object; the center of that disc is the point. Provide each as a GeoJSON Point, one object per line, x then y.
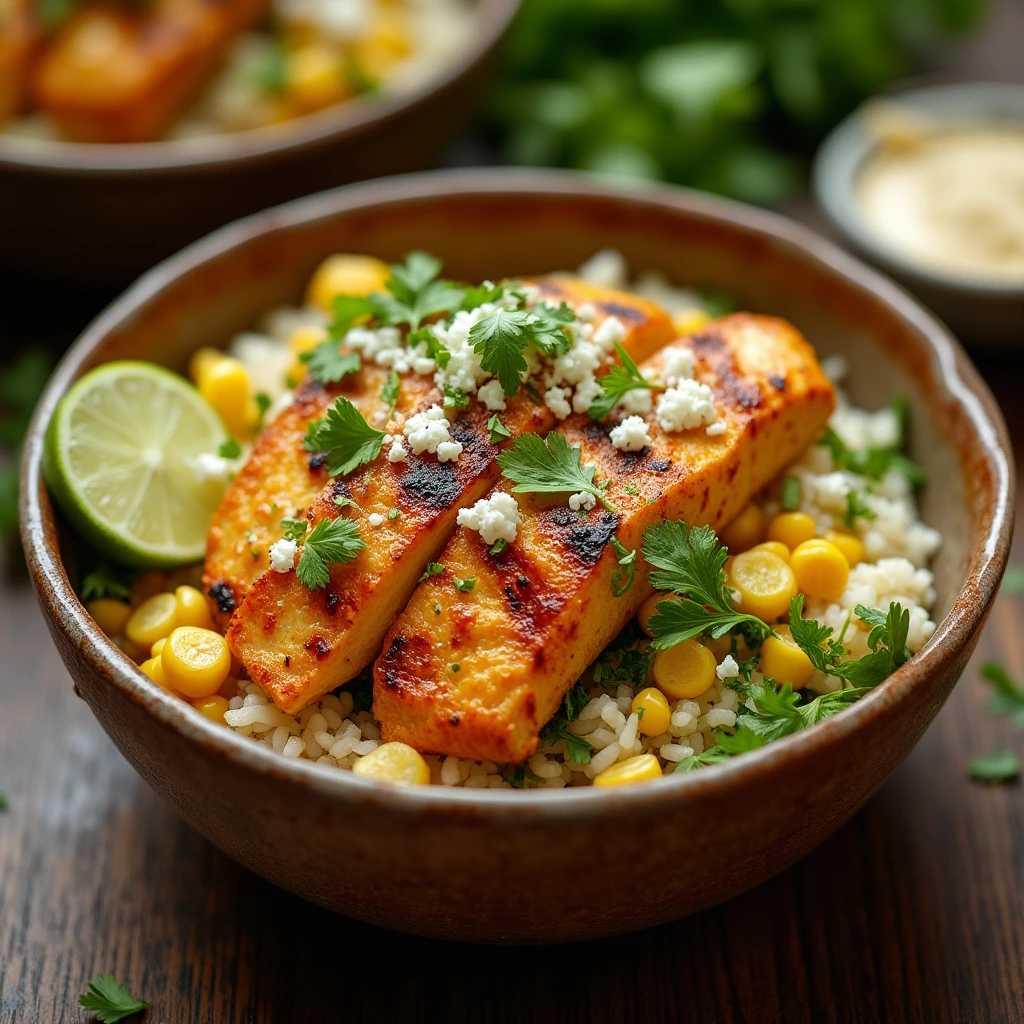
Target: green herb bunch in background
{"type": "Point", "coordinates": [717, 94]}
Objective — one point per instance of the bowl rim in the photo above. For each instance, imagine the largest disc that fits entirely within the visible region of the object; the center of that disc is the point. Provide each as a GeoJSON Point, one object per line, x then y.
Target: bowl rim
{"type": "Point", "coordinates": [223, 152]}
{"type": "Point", "coordinates": [954, 370]}
{"type": "Point", "coordinates": [847, 148]}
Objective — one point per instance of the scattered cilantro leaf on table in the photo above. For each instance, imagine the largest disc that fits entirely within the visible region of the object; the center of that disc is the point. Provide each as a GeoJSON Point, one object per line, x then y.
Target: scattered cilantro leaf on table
{"type": "Point", "coordinates": [617, 383]}
{"type": "Point", "coordinates": [553, 467]}
{"type": "Point", "coordinates": [346, 437]}
{"type": "Point", "coordinates": [110, 1001]}
{"type": "Point", "coordinates": [999, 766]}
{"type": "Point", "coordinates": [689, 562]}
{"type": "Point", "coordinates": [330, 542]}
{"type": "Point", "coordinates": [1007, 694]}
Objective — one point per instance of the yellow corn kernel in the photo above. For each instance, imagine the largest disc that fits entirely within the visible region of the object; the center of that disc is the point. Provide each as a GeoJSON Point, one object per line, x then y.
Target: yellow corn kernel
{"type": "Point", "coordinates": [387, 43]}
{"type": "Point", "coordinates": [110, 615]}
{"type": "Point", "coordinates": [776, 547]}
{"type": "Point", "coordinates": [196, 661]}
{"type": "Point", "coordinates": [225, 385]}
{"type": "Point", "coordinates": [684, 671]}
{"type": "Point", "coordinates": [821, 569]}
{"type": "Point", "coordinates": [314, 77]}
{"type": "Point", "coordinates": [851, 546]}
{"type": "Point", "coordinates": [157, 649]}
{"type": "Point", "coordinates": [792, 528]}
{"type": "Point", "coordinates": [746, 530]}
{"type": "Point", "coordinates": [152, 620]}
{"type": "Point", "coordinates": [345, 274]}
{"type": "Point", "coordinates": [650, 607]}
{"type": "Point", "coordinates": [203, 360]}
{"type": "Point", "coordinates": [212, 708]}
{"type": "Point", "coordinates": [155, 670]}
{"type": "Point", "coordinates": [690, 320]}
{"type": "Point", "coordinates": [765, 583]}
{"type": "Point", "coordinates": [634, 769]}
{"type": "Point", "coordinates": [193, 608]}
{"type": "Point", "coordinates": [655, 719]}
{"type": "Point", "coordinates": [783, 661]}
{"type": "Point", "coordinates": [397, 763]}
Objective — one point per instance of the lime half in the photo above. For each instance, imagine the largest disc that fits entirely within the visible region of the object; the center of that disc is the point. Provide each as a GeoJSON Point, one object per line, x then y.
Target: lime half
{"type": "Point", "coordinates": [124, 458]}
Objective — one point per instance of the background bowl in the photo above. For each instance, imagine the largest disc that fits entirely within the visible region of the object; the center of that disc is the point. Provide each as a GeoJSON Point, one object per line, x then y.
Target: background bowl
{"type": "Point", "coordinates": [982, 313]}
{"type": "Point", "coordinates": [492, 865]}
{"type": "Point", "coordinates": [103, 213]}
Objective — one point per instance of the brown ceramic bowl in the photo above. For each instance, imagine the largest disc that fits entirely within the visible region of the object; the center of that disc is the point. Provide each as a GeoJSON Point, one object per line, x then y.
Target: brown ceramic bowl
{"type": "Point", "coordinates": [506, 866]}
{"type": "Point", "coordinates": [105, 213]}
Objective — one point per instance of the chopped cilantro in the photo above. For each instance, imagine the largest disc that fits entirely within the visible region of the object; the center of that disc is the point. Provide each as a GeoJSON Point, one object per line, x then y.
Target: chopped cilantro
{"type": "Point", "coordinates": [294, 529]}
{"type": "Point", "coordinates": [548, 468]}
{"type": "Point", "coordinates": [327, 364]}
{"type": "Point", "coordinates": [790, 494]}
{"type": "Point", "coordinates": [263, 403]}
{"type": "Point", "coordinates": [108, 580]}
{"type": "Point", "coordinates": [465, 585]}
{"type": "Point", "coordinates": [874, 462]}
{"type": "Point", "coordinates": [346, 437]}
{"type": "Point", "coordinates": [498, 547]}
{"type": "Point", "coordinates": [631, 489]}
{"type": "Point", "coordinates": [577, 748]}
{"type": "Point", "coordinates": [455, 398]}
{"type": "Point", "coordinates": [618, 382]}
{"type": "Point", "coordinates": [499, 432]}
{"type": "Point", "coordinates": [437, 607]}
{"type": "Point", "coordinates": [623, 573]}
{"type": "Point", "coordinates": [455, 666]}
{"type": "Point", "coordinates": [394, 513]}
{"type": "Point", "coordinates": [414, 292]}
{"type": "Point", "coordinates": [331, 541]}
{"type": "Point", "coordinates": [433, 569]}
{"type": "Point", "coordinates": [230, 449]}
{"type": "Point", "coordinates": [390, 389]}
{"type": "Point", "coordinates": [857, 508]}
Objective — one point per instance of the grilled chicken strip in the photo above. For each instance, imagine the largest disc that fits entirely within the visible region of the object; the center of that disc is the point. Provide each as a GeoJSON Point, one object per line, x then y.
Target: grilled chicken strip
{"type": "Point", "coordinates": [299, 644]}
{"type": "Point", "coordinates": [478, 674]}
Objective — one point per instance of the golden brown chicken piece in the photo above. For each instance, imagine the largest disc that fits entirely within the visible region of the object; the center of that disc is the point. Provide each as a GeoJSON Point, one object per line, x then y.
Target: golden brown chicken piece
{"type": "Point", "coordinates": [19, 37]}
{"type": "Point", "coordinates": [478, 674]}
{"type": "Point", "coordinates": [120, 74]}
{"type": "Point", "coordinates": [299, 644]}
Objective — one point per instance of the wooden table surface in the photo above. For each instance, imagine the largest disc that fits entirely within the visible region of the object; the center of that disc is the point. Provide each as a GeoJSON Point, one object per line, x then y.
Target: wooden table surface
{"type": "Point", "coordinates": [914, 911]}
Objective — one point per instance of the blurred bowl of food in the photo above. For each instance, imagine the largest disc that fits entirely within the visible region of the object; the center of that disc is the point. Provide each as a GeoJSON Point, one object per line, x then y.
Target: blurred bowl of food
{"type": "Point", "coordinates": [929, 186]}
{"type": "Point", "coordinates": [125, 134]}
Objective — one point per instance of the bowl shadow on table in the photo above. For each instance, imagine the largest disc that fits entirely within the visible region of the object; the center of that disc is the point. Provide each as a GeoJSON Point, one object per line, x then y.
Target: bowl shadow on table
{"type": "Point", "coordinates": [795, 948]}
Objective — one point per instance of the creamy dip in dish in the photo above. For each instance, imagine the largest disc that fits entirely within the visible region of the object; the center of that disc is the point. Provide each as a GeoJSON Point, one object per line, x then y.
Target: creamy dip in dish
{"type": "Point", "coordinates": [951, 200]}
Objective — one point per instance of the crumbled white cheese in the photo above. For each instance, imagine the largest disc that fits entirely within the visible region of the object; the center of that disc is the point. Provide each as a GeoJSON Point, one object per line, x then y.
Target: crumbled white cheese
{"type": "Point", "coordinates": [282, 555]}
{"type": "Point", "coordinates": [586, 312]}
{"type": "Point", "coordinates": [449, 451]}
{"type": "Point", "coordinates": [209, 466]}
{"type": "Point", "coordinates": [686, 406]}
{"type": "Point", "coordinates": [427, 430]}
{"type": "Point", "coordinates": [463, 370]}
{"type": "Point", "coordinates": [496, 518]}
{"type": "Point", "coordinates": [587, 392]}
{"type": "Point", "coordinates": [397, 452]}
{"type": "Point", "coordinates": [610, 332]}
{"type": "Point", "coordinates": [606, 268]}
{"type": "Point", "coordinates": [492, 394]}
{"type": "Point", "coordinates": [679, 365]}
{"type": "Point", "coordinates": [375, 519]}
{"type": "Point", "coordinates": [557, 400]}
{"type": "Point", "coordinates": [630, 435]}
{"type": "Point", "coordinates": [638, 401]}
{"type": "Point", "coordinates": [423, 366]}
{"type": "Point", "coordinates": [728, 669]}
{"type": "Point", "coordinates": [835, 367]}
{"type": "Point", "coordinates": [584, 500]}
{"type": "Point", "coordinates": [577, 364]}
{"type": "Point", "coordinates": [717, 428]}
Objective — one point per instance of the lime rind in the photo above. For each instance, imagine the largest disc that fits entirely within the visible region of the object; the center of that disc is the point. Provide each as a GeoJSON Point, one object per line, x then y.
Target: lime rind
{"type": "Point", "coordinates": [119, 461]}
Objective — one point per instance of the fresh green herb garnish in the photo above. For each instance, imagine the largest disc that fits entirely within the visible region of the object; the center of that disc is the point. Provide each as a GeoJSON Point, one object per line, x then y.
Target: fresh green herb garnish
{"type": "Point", "coordinates": [346, 437]}
{"type": "Point", "coordinates": [294, 529]}
{"type": "Point", "coordinates": [689, 562]}
{"type": "Point", "coordinates": [110, 1001]}
{"type": "Point", "coordinates": [517, 776]}
{"type": "Point", "coordinates": [623, 573]}
{"type": "Point", "coordinates": [432, 569]}
{"type": "Point", "coordinates": [999, 766]}
{"type": "Point", "coordinates": [21, 384]}
{"type": "Point", "coordinates": [455, 666]}
{"type": "Point", "coordinates": [577, 748]}
{"type": "Point", "coordinates": [269, 75]}
{"type": "Point", "coordinates": [328, 365]}
{"type": "Point", "coordinates": [477, 295]}
{"type": "Point", "coordinates": [455, 398]}
{"type": "Point", "coordinates": [617, 383]}
{"type": "Point", "coordinates": [465, 585]}
{"type": "Point", "coordinates": [499, 432]}
{"type": "Point", "coordinates": [343, 501]}
{"type": "Point", "coordinates": [631, 489]}
{"type": "Point", "coordinates": [389, 391]}
{"type": "Point", "coordinates": [230, 449]}
{"type": "Point", "coordinates": [790, 494]}
{"type": "Point", "coordinates": [548, 468]}
{"type": "Point", "coordinates": [346, 310]}
{"type": "Point", "coordinates": [108, 580]}
{"type": "Point", "coordinates": [857, 508]}
{"type": "Point", "coordinates": [498, 547]}
{"type": "Point", "coordinates": [394, 513]}
{"type": "Point", "coordinates": [874, 463]}
{"type": "Point", "coordinates": [330, 542]}
{"type": "Point", "coordinates": [622, 662]}
{"type": "Point", "coordinates": [1013, 581]}
{"type": "Point", "coordinates": [437, 607]}
{"type": "Point", "coordinates": [263, 403]}
{"type": "Point", "coordinates": [3, 801]}
{"type": "Point", "coordinates": [1007, 695]}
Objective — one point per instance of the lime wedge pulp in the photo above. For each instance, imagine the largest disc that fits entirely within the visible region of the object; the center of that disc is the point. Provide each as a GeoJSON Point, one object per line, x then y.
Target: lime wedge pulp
{"type": "Point", "coordinates": [121, 460]}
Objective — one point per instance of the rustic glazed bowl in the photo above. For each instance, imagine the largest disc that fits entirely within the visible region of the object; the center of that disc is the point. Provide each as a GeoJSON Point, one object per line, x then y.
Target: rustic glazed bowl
{"type": "Point", "coordinates": [105, 213]}
{"type": "Point", "coordinates": [499, 865]}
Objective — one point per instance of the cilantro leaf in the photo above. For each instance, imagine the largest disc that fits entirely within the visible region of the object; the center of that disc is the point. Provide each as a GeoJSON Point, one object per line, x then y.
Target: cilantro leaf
{"type": "Point", "coordinates": [857, 508]}
{"type": "Point", "coordinates": [1013, 579]}
{"type": "Point", "coordinates": [346, 310]}
{"type": "Point", "coordinates": [577, 748]}
{"type": "Point", "coordinates": [415, 292]}
{"type": "Point", "coordinates": [1007, 695]}
{"type": "Point", "coordinates": [500, 338]}
{"type": "Point", "coordinates": [624, 572]}
{"type": "Point", "coordinates": [622, 664]}
{"type": "Point", "coordinates": [263, 403]}
{"type": "Point", "coordinates": [110, 1001]}
{"type": "Point", "coordinates": [616, 383]}
{"type": "Point", "coordinates": [455, 398]}
{"type": "Point", "coordinates": [790, 494]}
{"type": "Point", "coordinates": [294, 529]}
{"type": "Point", "coordinates": [230, 449]}
{"type": "Point", "coordinates": [689, 562]}
{"type": "Point", "coordinates": [486, 292]}
{"type": "Point", "coordinates": [554, 467]}
{"type": "Point", "coordinates": [999, 766]}
{"type": "Point", "coordinates": [499, 432]}
{"type": "Point", "coordinates": [433, 569]}
{"type": "Point", "coordinates": [873, 462]}
{"type": "Point", "coordinates": [575, 701]}
{"type": "Point", "coordinates": [465, 585]}
{"type": "Point", "coordinates": [327, 365]}
{"type": "Point", "coordinates": [108, 580]}
{"type": "Point", "coordinates": [547, 328]}
{"type": "Point", "coordinates": [814, 640]}
{"type": "Point", "coordinates": [331, 541]}
{"type": "Point", "coordinates": [779, 711]}
{"type": "Point", "coordinates": [3, 801]}
{"type": "Point", "coordinates": [390, 389]}
{"type": "Point", "coordinates": [346, 437]}
{"type": "Point", "coordinates": [713, 755]}
{"type": "Point", "coordinates": [498, 547]}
